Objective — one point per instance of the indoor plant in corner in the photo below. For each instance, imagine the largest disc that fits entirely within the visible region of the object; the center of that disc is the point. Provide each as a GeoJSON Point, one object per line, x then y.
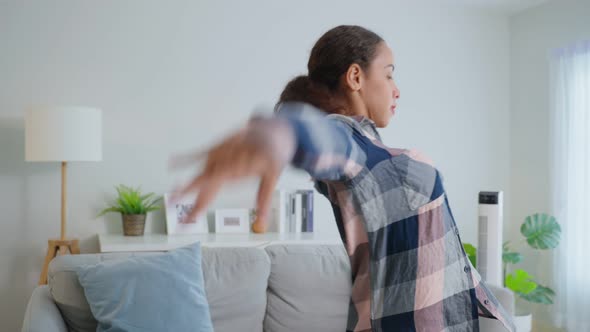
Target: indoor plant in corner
{"type": "Point", "coordinates": [541, 231]}
{"type": "Point", "coordinates": [134, 207]}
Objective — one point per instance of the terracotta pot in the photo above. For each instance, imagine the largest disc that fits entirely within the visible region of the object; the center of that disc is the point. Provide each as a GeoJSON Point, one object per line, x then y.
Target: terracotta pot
{"type": "Point", "coordinates": [133, 224]}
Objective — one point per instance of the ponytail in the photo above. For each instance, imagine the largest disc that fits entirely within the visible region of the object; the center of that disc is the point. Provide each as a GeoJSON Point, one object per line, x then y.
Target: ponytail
{"type": "Point", "coordinates": [303, 89]}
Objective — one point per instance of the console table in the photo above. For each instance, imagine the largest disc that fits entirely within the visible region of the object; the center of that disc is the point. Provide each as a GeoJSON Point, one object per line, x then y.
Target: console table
{"type": "Point", "coordinates": [163, 242]}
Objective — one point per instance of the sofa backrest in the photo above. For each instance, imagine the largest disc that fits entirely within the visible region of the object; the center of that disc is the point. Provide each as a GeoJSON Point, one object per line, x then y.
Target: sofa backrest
{"type": "Point", "coordinates": [236, 280]}
{"type": "Point", "coordinates": [308, 288]}
{"type": "Point", "coordinates": [278, 288]}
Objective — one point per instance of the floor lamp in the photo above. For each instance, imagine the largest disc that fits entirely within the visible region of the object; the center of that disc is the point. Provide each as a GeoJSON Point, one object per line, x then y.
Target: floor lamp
{"type": "Point", "coordinates": [62, 134]}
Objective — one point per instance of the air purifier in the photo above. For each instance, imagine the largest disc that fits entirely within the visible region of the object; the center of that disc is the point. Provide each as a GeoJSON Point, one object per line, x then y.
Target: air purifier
{"type": "Point", "coordinates": [489, 252]}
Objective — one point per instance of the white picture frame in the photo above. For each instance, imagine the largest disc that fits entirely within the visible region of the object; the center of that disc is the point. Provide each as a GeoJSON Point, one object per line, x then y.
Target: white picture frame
{"type": "Point", "coordinates": [232, 221]}
{"type": "Point", "coordinates": [176, 211]}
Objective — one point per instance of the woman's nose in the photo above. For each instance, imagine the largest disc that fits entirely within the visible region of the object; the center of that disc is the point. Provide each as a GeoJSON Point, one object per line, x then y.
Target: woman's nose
{"type": "Point", "coordinates": [396, 93]}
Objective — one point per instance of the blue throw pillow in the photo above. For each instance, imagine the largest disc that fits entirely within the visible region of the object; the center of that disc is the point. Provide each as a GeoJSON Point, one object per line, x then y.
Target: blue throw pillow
{"type": "Point", "coordinates": [160, 292]}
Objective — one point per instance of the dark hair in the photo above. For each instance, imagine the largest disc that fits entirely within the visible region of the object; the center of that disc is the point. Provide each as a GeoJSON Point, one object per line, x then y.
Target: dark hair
{"type": "Point", "coordinates": [330, 58]}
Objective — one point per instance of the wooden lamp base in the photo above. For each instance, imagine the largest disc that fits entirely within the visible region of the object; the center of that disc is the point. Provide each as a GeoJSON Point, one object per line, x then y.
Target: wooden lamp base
{"type": "Point", "coordinates": [61, 246]}
{"type": "Point", "coordinates": [54, 248]}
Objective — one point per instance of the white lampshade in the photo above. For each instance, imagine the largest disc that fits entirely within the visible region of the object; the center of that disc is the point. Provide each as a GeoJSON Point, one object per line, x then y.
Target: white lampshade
{"type": "Point", "coordinates": [63, 134]}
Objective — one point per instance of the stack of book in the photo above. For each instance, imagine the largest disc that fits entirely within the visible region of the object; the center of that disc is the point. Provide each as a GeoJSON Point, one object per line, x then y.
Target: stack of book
{"type": "Point", "coordinates": [292, 211]}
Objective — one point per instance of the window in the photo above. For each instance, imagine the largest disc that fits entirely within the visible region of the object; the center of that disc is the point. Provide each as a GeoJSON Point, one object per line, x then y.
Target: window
{"type": "Point", "coordinates": [570, 171]}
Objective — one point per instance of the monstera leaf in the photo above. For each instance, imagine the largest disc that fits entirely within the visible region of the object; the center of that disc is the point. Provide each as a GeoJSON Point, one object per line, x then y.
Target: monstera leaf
{"type": "Point", "coordinates": [541, 231]}
{"type": "Point", "coordinates": [541, 294]}
{"type": "Point", "coordinates": [520, 282]}
{"type": "Point", "coordinates": [510, 256]}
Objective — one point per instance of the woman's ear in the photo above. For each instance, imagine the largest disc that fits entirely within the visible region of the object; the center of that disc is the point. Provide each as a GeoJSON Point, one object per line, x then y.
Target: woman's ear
{"type": "Point", "coordinates": [353, 77]}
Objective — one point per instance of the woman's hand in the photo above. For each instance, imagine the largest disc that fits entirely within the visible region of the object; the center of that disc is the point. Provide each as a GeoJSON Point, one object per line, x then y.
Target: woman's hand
{"type": "Point", "coordinates": [262, 148]}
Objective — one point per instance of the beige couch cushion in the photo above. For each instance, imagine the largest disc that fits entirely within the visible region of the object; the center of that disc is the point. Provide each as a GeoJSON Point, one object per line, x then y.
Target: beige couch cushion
{"type": "Point", "coordinates": [246, 270]}
{"type": "Point", "coordinates": [308, 288]}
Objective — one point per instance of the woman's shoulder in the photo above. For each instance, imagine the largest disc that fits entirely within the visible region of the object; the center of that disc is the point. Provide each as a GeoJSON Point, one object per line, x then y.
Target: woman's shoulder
{"type": "Point", "coordinates": [408, 155]}
{"type": "Point", "coordinates": [418, 155]}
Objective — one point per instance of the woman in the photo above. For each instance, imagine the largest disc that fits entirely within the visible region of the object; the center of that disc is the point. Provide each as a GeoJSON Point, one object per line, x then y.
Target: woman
{"type": "Point", "coordinates": [408, 266]}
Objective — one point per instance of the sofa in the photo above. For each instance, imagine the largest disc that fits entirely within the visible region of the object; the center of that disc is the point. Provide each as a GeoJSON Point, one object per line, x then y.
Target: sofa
{"type": "Point", "coordinates": [281, 287]}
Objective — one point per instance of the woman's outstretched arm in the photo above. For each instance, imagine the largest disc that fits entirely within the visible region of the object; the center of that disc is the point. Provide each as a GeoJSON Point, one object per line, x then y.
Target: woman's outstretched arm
{"type": "Point", "coordinates": [326, 148]}
{"type": "Point", "coordinates": [299, 134]}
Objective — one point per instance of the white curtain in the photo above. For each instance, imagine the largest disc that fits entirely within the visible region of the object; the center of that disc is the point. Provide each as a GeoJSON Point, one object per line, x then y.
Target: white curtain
{"type": "Point", "coordinates": [570, 181]}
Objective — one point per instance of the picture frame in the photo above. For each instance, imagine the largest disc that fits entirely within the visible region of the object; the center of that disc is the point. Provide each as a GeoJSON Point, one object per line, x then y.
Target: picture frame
{"type": "Point", "coordinates": [232, 221]}
{"type": "Point", "coordinates": [176, 211]}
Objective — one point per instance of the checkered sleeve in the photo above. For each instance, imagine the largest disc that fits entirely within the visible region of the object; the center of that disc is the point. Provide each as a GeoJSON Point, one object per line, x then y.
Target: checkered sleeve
{"type": "Point", "coordinates": [328, 149]}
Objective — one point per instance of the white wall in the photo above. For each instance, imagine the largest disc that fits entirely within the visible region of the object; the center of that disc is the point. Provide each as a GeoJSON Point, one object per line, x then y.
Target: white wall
{"type": "Point", "coordinates": [177, 75]}
{"type": "Point", "coordinates": [534, 33]}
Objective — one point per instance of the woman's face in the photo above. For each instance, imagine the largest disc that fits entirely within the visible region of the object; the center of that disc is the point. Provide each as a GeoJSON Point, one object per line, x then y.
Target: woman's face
{"type": "Point", "coordinates": [379, 91]}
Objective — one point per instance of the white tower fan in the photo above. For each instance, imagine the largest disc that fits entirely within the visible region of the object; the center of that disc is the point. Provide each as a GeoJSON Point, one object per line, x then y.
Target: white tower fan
{"type": "Point", "coordinates": [489, 252]}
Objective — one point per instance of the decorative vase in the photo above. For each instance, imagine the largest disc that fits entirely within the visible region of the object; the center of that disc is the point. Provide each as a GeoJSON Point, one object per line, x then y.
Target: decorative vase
{"type": "Point", "coordinates": [133, 224]}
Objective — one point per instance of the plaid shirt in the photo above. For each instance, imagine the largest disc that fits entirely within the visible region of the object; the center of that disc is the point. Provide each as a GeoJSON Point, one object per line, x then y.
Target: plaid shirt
{"type": "Point", "coordinates": [409, 269]}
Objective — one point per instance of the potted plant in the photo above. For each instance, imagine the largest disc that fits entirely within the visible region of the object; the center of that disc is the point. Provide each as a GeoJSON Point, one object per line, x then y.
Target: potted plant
{"type": "Point", "coordinates": [542, 232]}
{"type": "Point", "coordinates": [134, 207]}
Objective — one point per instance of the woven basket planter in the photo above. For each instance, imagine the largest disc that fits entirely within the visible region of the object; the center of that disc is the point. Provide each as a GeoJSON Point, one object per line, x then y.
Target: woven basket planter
{"type": "Point", "coordinates": [133, 224]}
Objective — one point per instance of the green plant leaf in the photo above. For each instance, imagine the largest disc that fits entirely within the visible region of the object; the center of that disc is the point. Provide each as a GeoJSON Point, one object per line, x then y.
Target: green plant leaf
{"type": "Point", "coordinates": [520, 282]}
{"type": "Point", "coordinates": [124, 204]}
{"type": "Point", "coordinates": [508, 256]}
{"type": "Point", "coordinates": [147, 197]}
{"type": "Point", "coordinates": [511, 257]}
{"type": "Point", "coordinates": [131, 201]}
{"type": "Point", "coordinates": [152, 201]}
{"type": "Point", "coordinates": [471, 252]}
{"type": "Point", "coordinates": [540, 294]}
{"type": "Point", "coordinates": [107, 210]}
{"type": "Point", "coordinates": [541, 231]}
